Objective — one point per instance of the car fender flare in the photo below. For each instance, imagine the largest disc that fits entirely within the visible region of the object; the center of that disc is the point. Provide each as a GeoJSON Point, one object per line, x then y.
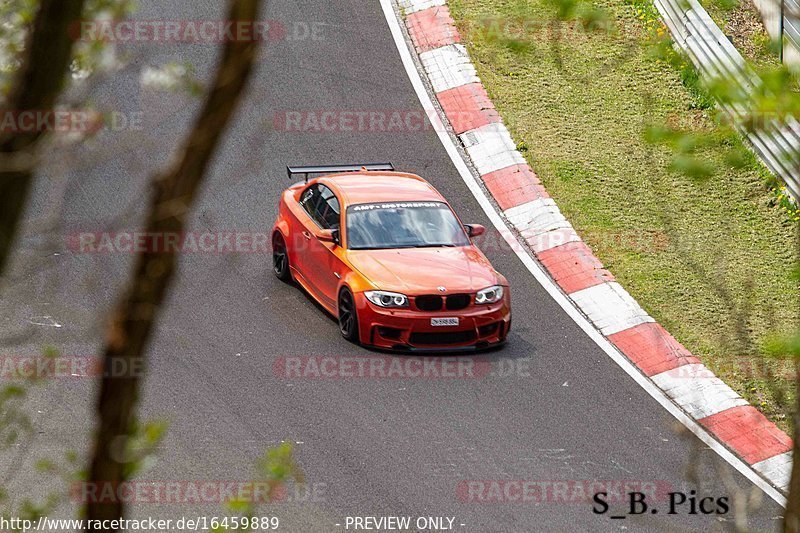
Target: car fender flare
{"type": "Point", "coordinates": [283, 227]}
{"type": "Point", "coordinates": [355, 282]}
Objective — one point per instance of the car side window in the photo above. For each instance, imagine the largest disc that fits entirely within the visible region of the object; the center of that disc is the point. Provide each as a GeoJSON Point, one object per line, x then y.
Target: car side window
{"type": "Point", "coordinates": [322, 206]}
{"type": "Point", "coordinates": [309, 200]}
{"type": "Point", "coordinates": [328, 209]}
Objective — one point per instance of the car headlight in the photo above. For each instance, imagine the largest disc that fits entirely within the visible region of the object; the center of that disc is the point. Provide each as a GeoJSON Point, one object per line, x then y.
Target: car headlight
{"type": "Point", "coordinates": [387, 299]}
{"type": "Point", "coordinates": [489, 295]}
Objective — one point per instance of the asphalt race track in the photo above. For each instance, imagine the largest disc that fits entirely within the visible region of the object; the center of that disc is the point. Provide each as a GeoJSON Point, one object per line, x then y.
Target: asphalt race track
{"type": "Point", "coordinates": [368, 447]}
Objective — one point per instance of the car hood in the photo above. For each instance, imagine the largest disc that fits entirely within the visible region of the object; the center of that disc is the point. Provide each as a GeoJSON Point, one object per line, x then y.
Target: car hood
{"type": "Point", "coordinates": [421, 270]}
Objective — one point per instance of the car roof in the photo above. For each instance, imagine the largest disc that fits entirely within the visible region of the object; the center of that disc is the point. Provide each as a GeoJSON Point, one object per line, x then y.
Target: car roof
{"type": "Point", "coordinates": [366, 187]}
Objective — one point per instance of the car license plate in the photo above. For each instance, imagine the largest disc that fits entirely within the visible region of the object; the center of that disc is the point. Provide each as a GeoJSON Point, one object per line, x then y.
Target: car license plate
{"type": "Point", "coordinates": [444, 321]}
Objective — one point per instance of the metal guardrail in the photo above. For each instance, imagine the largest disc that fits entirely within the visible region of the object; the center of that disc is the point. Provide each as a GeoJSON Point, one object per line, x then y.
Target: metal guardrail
{"type": "Point", "coordinates": [695, 33]}
{"type": "Point", "coordinates": [790, 25]}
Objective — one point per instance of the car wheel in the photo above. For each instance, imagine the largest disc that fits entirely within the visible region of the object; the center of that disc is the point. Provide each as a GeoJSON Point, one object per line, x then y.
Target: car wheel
{"type": "Point", "coordinates": [280, 258]}
{"type": "Point", "coordinates": [348, 319]}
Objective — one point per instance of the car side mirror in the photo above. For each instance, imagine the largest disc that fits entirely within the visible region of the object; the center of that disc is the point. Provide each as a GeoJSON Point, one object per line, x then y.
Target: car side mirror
{"type": "Point", "coordinates": [329, 235]}
{"type": "Point", "coordinates": [475, 230]}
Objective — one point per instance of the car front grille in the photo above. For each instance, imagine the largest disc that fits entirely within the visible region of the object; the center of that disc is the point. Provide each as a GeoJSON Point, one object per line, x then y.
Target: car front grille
{"type": "Point", "coordinates": [434, 302]}
{"type": "Point", "coordinates": [444, 337]}
{"type": "Point", "coordinates": [430, 302]}
{"type": "Point", "coordinates": [457, 301]}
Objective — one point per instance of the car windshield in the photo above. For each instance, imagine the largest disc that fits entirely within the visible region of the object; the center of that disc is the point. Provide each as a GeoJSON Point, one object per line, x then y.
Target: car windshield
{"type": "Point", "coordinates": [403, 225]}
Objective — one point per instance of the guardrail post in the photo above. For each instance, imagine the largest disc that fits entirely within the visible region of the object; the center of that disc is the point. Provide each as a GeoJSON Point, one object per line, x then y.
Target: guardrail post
{"type": "Point", "coordinates": [782, 27]}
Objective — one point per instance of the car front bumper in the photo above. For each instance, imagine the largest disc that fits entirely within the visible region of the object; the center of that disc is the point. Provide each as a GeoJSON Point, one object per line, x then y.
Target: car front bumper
{"type": "Point", "coordinates": [480, 327]}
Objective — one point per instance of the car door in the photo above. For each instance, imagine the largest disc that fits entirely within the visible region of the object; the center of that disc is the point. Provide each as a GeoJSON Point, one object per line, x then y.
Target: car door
{"type": "Point", "coordinates": [304, 225]}
{"type": "Point", "coordinates": [320, 261]}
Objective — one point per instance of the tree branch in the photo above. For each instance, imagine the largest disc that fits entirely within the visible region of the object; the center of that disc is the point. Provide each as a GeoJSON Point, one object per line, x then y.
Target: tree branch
{"type": "Point", "coordinates": [37, 86]}
{"type": "Point", "coordinates": [133, 321]}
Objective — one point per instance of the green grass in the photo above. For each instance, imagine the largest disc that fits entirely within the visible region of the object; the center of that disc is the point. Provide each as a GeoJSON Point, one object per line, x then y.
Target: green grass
{"type": "Point", "coordinates": [712, 260]}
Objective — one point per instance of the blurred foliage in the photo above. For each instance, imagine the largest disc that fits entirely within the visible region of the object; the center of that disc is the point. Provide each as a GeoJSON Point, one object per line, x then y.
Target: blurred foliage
{"type": "Point", "coordinates": [88, 56]}
{"type": "Point", "coordinates": [783, 345]}
{"type": "Point", "coordinates": [774, 96]}
{"type": "Point", "coordinates": [772, 99]}
{"type": "Point", "coordinates": [686, 147]}
{"type": "Point", "coordinates": [275, 469]}
{"type": "Point", "coordinates": [97, 55]}
{"type": "Point", "coordinates": [14, 421]}
{"type": "Point", "coordinates": [587, 14]}
{"type": "Point", "coordinates": [141, 447]}
{"type": "Point", "coordinates": [15, 17]}
{"type": "Point", "coordinates": [17, 431]}
{"type": "Point", "coordinates": [517, 31]}
{"type": "Point", "coordinates": [173, 77]}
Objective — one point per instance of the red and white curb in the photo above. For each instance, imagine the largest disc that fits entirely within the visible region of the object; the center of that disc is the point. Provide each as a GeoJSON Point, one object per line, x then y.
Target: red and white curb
{"type": "Point", "coordinates": [570, 262]}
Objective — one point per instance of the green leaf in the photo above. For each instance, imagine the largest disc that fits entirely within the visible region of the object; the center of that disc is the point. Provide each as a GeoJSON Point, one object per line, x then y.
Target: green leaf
{"type": "Point", "coordinates": [50, 351]}
{"type": "Point", "coordinates": [782, 345]}
{"type": "Point", "coordinates": [45, 465]}
{"type": "Point", "coordinates": [692, 167]}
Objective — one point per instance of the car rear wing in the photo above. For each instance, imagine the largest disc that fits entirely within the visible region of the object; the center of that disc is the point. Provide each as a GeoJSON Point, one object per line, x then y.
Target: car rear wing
{"type": "Point", "coordinates": [331, 169]}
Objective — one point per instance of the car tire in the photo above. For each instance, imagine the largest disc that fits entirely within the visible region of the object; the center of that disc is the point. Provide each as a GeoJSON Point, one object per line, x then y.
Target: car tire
{"type": "Point", "coordinates": [348, 318]}
{"type": "Point", "coordinates": [280, 258]}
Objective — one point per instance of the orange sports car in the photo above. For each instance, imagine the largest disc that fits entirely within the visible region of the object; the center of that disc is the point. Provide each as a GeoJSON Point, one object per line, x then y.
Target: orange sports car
{"type": "Point", "coordinates": [384, 253]}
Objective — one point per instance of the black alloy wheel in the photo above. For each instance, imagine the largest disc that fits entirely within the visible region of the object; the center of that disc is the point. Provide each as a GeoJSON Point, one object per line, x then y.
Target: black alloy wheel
{"type": "Point", "coordinates": [280, 258]}
{"type": "Point", "coordinates": [348, 320]}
